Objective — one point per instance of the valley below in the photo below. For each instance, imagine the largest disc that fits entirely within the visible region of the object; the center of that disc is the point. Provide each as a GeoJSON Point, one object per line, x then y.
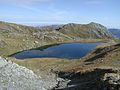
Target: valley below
{"type": "Point", "coordinates": [98, 69]}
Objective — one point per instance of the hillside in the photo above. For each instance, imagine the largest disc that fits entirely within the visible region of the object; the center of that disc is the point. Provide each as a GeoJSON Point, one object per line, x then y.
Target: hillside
{"type": "Point", "coordinates": [15, 37]}
{"type": "Point", "coordinates": [91, 30]}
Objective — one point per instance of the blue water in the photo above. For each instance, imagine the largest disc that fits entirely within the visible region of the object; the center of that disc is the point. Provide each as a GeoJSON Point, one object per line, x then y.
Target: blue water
{"type": "Point", "coordinates": [69, 51]}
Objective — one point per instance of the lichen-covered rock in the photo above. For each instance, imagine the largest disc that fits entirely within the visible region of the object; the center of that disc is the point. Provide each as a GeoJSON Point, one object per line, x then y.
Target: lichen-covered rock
{"type": "Point", "coordinates": [15, 77]}
{"type": "Point", "coordinates": [112, 81]}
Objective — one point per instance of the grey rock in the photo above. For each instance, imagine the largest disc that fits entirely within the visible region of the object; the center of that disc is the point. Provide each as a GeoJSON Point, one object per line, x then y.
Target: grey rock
{"type": "Point", "coordinates": [15, 77]}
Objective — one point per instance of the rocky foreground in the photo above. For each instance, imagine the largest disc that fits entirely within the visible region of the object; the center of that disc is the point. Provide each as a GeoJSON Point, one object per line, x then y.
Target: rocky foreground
{"type": "Point", "coordinates": [98, 79]}
{"type": "Point", "coordinates": [15, 77]}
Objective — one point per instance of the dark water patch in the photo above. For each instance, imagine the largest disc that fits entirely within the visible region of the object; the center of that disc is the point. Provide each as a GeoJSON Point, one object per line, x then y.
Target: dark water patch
{"type": "Point", "coordinates": [68, 51]}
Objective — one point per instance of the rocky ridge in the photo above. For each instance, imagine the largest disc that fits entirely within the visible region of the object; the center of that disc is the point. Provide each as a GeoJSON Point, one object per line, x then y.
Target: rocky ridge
{"type": "Point", "coordinates": [91, 30]}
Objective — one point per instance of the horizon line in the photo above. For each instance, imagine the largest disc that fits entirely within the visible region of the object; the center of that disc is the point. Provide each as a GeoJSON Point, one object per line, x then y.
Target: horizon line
{"type": "Point", "coordinates": [51, 23]}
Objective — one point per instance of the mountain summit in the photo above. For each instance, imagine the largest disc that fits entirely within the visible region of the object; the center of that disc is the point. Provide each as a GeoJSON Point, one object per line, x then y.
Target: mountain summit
{"type": "Point", "coordinates": [91, 30]}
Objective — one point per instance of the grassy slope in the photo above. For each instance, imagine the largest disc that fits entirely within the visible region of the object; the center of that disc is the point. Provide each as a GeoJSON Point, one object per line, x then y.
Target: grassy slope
{"type": "Point", "coordinates": [21, 38]}
{"type": "Point", "coordinates": [91, 30]}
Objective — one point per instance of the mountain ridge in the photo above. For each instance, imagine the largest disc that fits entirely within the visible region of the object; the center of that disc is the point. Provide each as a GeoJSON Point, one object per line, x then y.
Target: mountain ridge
{"type": "Point", "coordinates": [91, 30]}
{"type": "Point", "coordinates": [115, 32]}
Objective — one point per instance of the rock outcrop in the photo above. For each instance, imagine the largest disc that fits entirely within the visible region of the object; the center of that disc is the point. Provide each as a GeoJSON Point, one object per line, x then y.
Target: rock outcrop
{"type": "Point", "coordinates": [15, 77]}
{"type": "Point", "coordinates": [98, 79]}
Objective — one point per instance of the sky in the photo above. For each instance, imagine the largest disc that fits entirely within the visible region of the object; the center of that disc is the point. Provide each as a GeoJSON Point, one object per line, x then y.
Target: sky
{"type": "Point", "coordinates": [40, 12]}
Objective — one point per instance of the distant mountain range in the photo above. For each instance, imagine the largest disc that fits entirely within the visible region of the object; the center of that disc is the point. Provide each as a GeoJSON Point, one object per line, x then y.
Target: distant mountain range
{"type": "Point", "coordinates": [70, 30]}
{"type": "Point", "coordinates": [115, 32]}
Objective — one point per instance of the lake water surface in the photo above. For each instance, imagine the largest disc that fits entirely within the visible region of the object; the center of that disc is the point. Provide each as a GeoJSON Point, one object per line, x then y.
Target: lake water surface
{"type": "Point", "coordinates": [69, 51]}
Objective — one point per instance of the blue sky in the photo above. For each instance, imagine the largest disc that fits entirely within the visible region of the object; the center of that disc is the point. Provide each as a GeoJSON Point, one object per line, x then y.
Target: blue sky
{"type": "Point", "coordinates": [37, 12]}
